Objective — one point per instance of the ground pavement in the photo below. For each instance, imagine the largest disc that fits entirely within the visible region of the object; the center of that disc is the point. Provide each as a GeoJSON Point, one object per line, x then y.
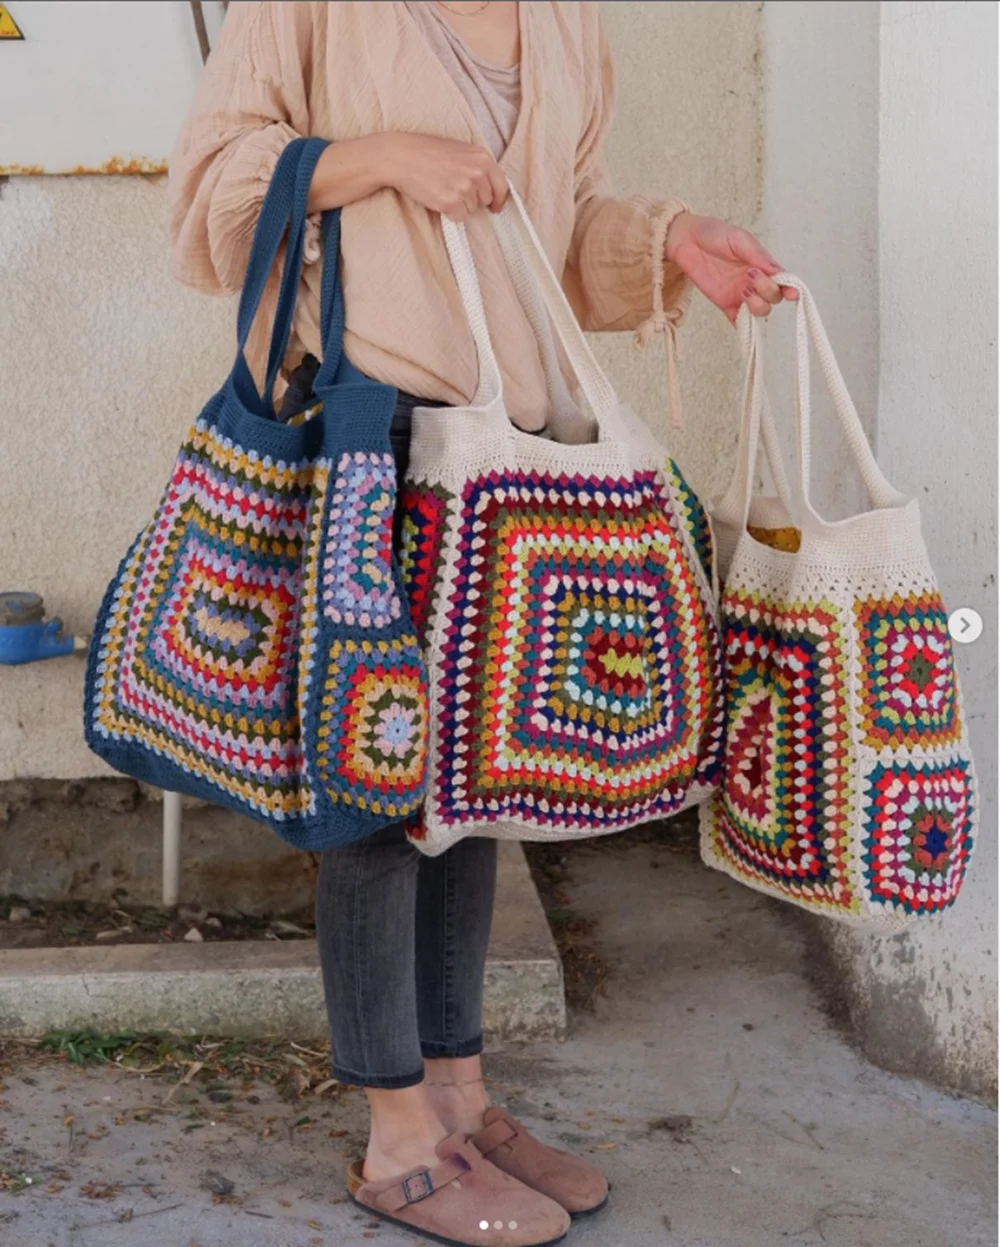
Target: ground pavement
{"type": "Point", "coordinates": [726, 1108]}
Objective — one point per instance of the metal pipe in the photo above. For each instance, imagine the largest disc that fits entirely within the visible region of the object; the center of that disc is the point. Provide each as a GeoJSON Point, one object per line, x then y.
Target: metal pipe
{"type": "Point", "coordinates": [171, 848]}
{"type": "Point", "coordinates": [200, 29]}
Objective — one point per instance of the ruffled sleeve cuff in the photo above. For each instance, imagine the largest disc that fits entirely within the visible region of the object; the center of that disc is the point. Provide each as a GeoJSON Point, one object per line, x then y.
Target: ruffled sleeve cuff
{"type": "Point", "coordinates": [620, 278]}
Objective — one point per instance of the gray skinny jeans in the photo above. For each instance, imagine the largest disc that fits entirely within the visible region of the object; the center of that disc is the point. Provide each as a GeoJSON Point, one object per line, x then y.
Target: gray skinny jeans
{"type": "Point", "coordinates": [403, 937]}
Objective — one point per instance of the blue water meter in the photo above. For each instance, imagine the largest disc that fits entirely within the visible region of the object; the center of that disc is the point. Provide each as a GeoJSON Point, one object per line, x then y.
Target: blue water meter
{"type": "Point", "coordinates": [25, 634]}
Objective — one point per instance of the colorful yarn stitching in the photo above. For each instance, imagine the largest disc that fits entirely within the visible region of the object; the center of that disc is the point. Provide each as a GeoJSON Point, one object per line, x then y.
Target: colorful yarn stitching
{"type": "Point", "coordinates": [907, 676]}
{"type": "Point", "coordinates": [372, 739]}
{"type": "Point", "coordinates": [358, 588]}
{"type": "Point", "coordinates": [918, 819]}
{"type": "Point", "coordinates": [785, 818]}
{"type": "Point", "coordinates": [425, 521]}
{"type": "Point", "coordinates": [579, 664]}
{"type": "Point", "coordinates": [693, 516]}
{"type": "Point", "coordinates": [785, 802]}
{"type": "Point", "coordinates": [199, 659]}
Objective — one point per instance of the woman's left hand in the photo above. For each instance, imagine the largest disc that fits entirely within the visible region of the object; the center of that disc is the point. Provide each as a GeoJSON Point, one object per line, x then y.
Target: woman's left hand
{"type": "Point", "coordinates": [727, 264]}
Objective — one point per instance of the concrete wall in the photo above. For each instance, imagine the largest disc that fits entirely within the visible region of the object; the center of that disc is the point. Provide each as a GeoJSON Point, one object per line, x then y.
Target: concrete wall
{"type": "Point", "coordinates": [895, 230]}
{"type": "Point", "coordinates": [688, 124]}
{"type": "Point", "coordinates": [106, 361]}
{"type": "Point", "coordinates": [821, 211]}
{"type": "Point", "coordinates": [105, 364]}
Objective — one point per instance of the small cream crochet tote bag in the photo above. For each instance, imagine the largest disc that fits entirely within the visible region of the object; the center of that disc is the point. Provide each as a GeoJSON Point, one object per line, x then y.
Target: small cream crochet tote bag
{"type": "Point", "coordinates": [848, 784]}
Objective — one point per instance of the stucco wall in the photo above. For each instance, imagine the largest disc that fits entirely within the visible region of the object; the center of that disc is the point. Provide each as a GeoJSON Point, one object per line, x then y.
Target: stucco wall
{"type": "Point", "coordinates": [928, 1001]}
{"type": "Point", "coordinates": [106, 361]}
{"type": "Point", "coordinates": [880, 186]}
{"type": "Point", "coordinates": [688, 124]}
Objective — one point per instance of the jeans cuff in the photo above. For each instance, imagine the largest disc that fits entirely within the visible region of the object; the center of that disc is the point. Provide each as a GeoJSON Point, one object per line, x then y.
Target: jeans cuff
{"type": "Point", "coordinates": [451, 1051]}
{"type": "Point", "coordinates": [385, 1082]}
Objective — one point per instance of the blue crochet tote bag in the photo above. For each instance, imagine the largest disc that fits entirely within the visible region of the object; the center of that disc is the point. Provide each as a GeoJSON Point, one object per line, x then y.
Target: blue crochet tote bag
{"type": "Point", "coordinates": [255, 647]}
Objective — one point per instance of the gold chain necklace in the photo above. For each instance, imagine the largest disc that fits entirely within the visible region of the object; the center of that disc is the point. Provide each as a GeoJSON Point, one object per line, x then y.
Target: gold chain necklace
{"type": "Point", "coordinates": [458, 13]}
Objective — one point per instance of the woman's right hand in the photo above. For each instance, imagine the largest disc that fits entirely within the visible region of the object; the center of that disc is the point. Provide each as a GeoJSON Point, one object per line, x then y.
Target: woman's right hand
{"type": "Point", "coordinates": [456, 179]}
{"type": "Point", "coordinates": [444, 175]}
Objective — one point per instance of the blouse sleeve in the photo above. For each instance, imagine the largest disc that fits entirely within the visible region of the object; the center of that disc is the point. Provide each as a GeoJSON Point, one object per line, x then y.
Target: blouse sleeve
{"type": "Point", "coordinates": [251, 102]}
{"type": "Point", "coordinates": [617, 276]}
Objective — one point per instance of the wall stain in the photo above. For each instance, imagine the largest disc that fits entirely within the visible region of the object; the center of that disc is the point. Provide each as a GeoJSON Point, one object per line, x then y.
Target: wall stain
{"type": "Point", "coordinates": [117, 165]}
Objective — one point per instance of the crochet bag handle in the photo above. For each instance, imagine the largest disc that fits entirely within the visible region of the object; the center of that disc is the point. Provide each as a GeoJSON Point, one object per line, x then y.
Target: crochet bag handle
{"type": "Point", "coordinates": [284, 209]}
{"type": "Point", "coordinates": [756, 427]}
{"type": "Point", "coordinates": [809, 326]}
{"type": "Point", "coordinates": [532, 276]}
{"type": "Point", "coordinates": [533, 279]}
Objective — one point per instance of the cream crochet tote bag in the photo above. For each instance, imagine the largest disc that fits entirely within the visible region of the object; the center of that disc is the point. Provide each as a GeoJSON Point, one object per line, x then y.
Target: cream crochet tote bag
{"type": "Point", "coordinates": [563, 590]}
{"type": "Point", "coordinates": [848, 784]}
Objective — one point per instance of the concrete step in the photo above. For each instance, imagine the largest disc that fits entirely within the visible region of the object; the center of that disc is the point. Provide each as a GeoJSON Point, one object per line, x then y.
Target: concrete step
{"type": "Point", "coordinates": [250, 989]}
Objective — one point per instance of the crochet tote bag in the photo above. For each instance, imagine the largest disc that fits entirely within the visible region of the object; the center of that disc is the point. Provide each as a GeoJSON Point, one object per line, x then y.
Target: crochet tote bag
{"type": "Point", "coordinates": [254, 648]}
{"type": "Point", "coordinates": [848, 784]}
{"type": "Point", "coordinates": [562, 587]}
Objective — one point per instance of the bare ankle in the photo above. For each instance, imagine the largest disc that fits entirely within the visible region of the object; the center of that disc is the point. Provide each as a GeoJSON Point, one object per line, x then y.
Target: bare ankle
{"type": "Point", "coordinates": [405, 1131]}
{"type": "Point", "coordinates": [458, 1093]}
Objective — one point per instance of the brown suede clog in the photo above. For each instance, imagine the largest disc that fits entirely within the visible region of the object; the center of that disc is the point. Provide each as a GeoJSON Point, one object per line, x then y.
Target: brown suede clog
{"type": "Point", "coordinates": [569, 1181]}
{"type": "Point", "coordinates": [463, 1202]}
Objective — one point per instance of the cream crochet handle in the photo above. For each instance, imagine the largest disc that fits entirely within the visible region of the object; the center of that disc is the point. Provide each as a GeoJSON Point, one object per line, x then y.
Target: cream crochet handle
{"type": "Point", "coordinates": [758, 420]}
{"type": "Point", "coordinates": [490, 387]}
{"type": "Point", "coordinates": [756, 426]}
{"type": "Point", "coordinates": [532, 276]}
{"type": "Point", "coordinates": [809, 325]}
{"type": "Point", "coordinates": [752, 343]}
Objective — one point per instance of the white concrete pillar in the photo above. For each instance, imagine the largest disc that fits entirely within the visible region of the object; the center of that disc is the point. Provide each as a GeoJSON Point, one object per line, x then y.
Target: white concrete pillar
{"type": "Point", "coordinates": [880, 188]}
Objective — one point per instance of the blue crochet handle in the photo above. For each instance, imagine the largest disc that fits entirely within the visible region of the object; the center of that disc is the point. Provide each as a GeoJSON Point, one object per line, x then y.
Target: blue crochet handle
{"type": "Point", "coordinates": [331, 304]}
{"type": "Point", "coordinates": [285, 208]}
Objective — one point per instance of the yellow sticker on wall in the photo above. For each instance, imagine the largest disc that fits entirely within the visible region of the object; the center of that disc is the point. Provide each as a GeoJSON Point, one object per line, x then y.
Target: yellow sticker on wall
{"type": "Point", "coordinates": [9, 29]}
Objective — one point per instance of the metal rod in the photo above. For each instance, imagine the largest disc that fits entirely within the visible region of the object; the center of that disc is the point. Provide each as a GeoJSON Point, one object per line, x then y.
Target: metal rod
{"type": "Point", "coordinates": [201, 30]}
{"type": "Point", "coordinates": [171, 848]}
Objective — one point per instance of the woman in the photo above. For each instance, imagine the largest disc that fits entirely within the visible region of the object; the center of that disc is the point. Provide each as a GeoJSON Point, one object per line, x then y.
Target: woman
{"type": "Point", "coordinates": [434, 107]}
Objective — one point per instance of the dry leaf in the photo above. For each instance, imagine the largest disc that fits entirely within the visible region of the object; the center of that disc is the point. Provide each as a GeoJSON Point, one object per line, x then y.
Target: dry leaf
{"type": "Point", "coordinates": [314, 1225]}
{"type": "Point", "coordinates": [193, 1069]}
{"type": "Point", "coordinates": [604, 1147]}
{"type": "Point", "coordinates": [325, 1086]}
{"type": "Point", "coordinates": [100, 1190]}
{"type": "Point", "coordinates": [68, 1120]}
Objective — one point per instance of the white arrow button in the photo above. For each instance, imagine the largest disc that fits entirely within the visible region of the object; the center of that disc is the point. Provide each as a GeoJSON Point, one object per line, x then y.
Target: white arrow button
{"type": "Point", "coordinates": [965, 625]}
